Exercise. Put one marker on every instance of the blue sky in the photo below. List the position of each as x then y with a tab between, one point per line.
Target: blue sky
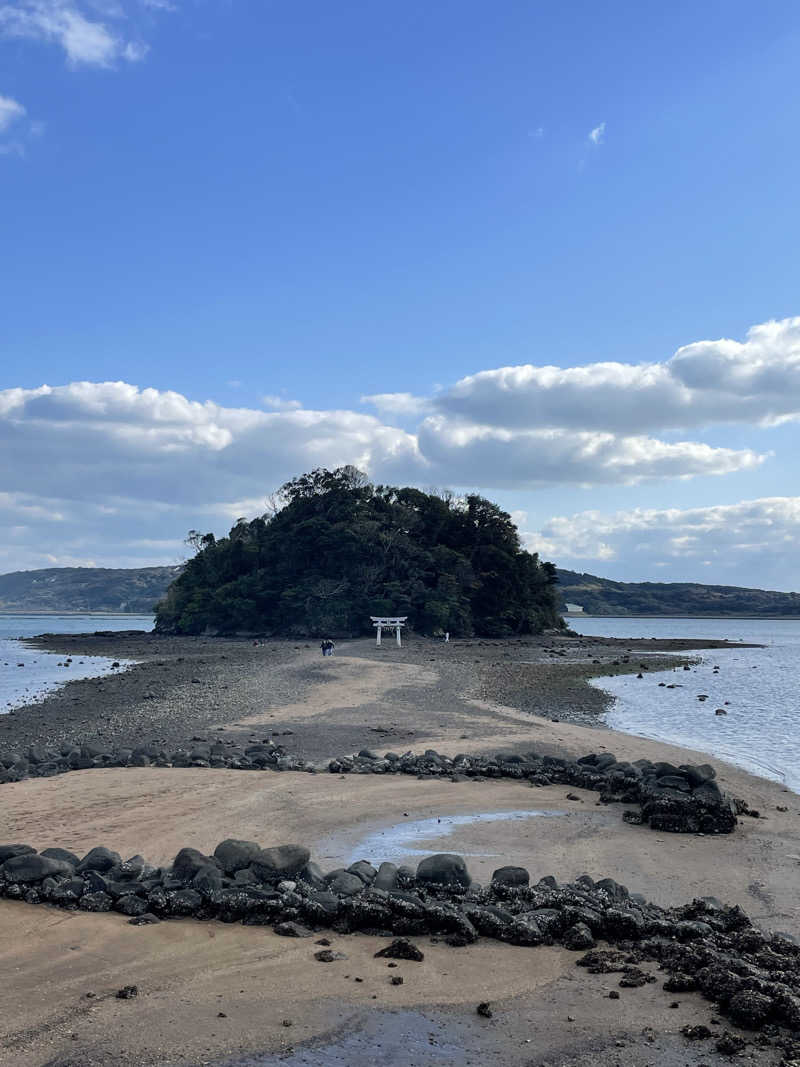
258	214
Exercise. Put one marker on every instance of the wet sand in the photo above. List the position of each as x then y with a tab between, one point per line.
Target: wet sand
189	972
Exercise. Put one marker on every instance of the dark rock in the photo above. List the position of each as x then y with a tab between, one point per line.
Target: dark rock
234	855
511	876
578	937
98	859
730	1044
484	1010
345	884
127	992
696	1033
444	869
8	852
283	861
387	877
750	1009
145	919
401	949
30	867
188	864
62	854
292	929
325	955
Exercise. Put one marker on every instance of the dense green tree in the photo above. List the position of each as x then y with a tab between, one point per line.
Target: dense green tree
341	549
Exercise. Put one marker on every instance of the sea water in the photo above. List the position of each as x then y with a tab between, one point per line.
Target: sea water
757	688
28	675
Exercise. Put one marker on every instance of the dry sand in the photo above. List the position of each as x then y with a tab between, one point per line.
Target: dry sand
189	972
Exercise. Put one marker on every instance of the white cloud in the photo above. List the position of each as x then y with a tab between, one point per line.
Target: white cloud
76	26
469	454
398	403
598	134
753	542
755	381
10	112
279	403
115	463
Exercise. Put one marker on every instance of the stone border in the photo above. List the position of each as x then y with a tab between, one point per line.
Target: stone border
682	799
753	977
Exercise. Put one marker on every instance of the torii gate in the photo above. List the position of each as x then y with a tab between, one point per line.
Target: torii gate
395	622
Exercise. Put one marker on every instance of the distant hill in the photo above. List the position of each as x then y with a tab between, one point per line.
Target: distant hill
601	596
68	589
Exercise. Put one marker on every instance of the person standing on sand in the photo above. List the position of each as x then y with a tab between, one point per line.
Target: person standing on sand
331	647
324	647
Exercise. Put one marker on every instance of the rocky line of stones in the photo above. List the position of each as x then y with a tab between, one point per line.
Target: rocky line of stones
682	799
753	977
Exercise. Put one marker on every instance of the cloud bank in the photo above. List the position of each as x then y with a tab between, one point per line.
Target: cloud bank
748	543
109	471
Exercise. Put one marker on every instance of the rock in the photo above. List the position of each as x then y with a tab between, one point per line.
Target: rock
396	979
401	949
30	867
127	992
188	864
95	902
61	854
325	955
730	1044
750	1009
98	859
344	884
283	861
511	876
145	919
484	1010
292	929
444	869
578	937
696	1033
365	871
8	852
234	855
387	877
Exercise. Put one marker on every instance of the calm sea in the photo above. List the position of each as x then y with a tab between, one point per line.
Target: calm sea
27	675
759	688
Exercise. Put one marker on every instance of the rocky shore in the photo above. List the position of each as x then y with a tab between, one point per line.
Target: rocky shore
752	976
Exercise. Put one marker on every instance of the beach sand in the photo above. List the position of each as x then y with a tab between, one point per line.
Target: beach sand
545	1009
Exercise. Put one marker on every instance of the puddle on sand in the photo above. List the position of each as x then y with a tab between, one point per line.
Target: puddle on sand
405	839
393	1038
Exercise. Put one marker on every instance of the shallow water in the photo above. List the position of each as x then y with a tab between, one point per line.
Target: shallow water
408	838
392	1038
758	688
27	675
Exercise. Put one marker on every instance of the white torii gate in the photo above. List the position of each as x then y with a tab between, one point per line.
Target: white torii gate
395	622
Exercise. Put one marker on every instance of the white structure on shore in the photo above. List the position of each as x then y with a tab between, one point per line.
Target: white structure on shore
394	622
574	609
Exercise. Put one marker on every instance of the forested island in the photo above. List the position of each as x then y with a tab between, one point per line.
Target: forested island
341	549
602	596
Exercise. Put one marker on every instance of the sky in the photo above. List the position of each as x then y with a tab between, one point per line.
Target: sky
545	252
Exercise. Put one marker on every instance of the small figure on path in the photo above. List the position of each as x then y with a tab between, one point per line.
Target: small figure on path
327	647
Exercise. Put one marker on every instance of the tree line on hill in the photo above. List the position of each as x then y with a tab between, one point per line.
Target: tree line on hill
602	596
342	549
85	589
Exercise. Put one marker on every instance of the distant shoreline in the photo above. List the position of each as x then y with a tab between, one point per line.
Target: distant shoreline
78	614
703	617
